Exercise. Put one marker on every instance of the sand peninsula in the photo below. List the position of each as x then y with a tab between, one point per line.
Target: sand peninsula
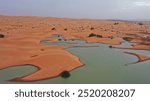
20	39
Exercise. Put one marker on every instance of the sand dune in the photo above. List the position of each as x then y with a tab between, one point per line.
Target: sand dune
21	44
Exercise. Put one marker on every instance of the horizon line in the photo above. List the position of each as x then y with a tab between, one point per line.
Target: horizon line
77	18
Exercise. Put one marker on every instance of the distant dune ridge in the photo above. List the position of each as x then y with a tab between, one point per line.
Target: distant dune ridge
20	39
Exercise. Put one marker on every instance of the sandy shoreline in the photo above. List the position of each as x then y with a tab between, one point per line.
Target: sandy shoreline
21	44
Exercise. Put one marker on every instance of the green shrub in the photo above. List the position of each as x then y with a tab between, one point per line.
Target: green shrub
95	35
126	38
92	28
92	35
111	37
65	29
116	23
99	36
53	29
140	23
65	74
2	36
59	39
110	46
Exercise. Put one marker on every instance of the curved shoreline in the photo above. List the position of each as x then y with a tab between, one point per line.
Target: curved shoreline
20	79
141	58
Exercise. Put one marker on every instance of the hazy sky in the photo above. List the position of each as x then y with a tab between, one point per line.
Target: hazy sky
99	9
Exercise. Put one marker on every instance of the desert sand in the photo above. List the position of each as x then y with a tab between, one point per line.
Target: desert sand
22	36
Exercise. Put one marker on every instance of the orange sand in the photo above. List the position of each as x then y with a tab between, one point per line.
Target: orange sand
23	35
51	59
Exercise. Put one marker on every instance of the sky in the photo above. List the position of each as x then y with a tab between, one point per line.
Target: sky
93	9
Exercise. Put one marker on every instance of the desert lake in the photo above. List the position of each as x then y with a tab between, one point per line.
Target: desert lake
102	65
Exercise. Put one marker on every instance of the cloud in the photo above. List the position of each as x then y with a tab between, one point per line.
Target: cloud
142	3
135	4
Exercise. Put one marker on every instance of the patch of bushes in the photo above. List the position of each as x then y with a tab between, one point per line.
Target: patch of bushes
2	36
92	35
111	37
110	46
65	29
95	35
126	38
116	23
53	29
140	23
65	74
59	39
58	35
92	28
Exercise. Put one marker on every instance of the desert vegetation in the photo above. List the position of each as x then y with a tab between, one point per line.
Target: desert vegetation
53	28
92	28
110	46
116	23
140	23
95	35
126	38
65	29
2	35
65	74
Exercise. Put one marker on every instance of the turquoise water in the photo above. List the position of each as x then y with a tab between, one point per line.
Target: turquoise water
14	72
102	66
63	42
